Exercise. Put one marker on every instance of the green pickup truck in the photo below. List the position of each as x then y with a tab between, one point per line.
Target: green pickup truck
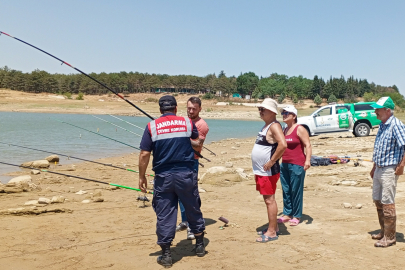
328	119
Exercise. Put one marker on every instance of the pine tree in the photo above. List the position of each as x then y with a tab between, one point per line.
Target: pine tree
332	98
318	100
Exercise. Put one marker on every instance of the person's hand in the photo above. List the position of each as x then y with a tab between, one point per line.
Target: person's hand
307	165
143	183
268	165
372	172
399	170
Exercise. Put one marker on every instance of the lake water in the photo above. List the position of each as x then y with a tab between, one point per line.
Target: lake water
44	131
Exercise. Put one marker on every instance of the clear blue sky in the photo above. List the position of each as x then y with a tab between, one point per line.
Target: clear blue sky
365	39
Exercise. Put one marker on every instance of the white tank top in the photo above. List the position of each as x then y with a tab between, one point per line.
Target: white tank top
262	153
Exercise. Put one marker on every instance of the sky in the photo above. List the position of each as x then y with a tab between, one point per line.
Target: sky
365	39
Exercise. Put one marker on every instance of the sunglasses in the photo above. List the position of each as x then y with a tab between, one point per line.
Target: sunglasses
261	109
285	113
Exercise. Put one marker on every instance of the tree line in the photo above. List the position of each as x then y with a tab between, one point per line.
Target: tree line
275	85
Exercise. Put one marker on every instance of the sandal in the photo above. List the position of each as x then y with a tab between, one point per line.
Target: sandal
264	238
294	221
283	219
265	230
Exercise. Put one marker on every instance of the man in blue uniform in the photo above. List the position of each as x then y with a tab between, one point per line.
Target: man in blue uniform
168	137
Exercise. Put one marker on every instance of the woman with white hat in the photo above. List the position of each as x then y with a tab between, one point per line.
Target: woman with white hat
268	149
295	162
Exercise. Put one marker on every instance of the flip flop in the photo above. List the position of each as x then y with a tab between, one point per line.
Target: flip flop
265	230
283	219
294	222
266	238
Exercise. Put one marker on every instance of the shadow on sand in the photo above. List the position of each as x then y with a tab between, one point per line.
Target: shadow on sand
185	248
400	236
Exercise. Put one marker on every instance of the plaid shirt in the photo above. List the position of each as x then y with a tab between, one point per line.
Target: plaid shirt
389	143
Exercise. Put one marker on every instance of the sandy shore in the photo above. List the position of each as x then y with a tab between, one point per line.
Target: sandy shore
119	233
16	101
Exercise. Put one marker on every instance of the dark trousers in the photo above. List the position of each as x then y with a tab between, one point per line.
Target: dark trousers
182	209
168	189
292	180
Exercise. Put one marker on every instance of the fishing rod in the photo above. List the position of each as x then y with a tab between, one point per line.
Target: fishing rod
97	133
117	126
97	81
209	150
96	162
78	177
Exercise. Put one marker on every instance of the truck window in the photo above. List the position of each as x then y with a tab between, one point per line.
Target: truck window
325	111
363	107
340	107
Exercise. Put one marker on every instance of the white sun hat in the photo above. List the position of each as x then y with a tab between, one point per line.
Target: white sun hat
269	104
291	109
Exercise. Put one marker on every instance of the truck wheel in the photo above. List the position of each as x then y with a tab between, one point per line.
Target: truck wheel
361	130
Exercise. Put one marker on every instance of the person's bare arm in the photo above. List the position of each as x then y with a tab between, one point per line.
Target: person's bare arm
372	171
399	170
282	145
144	157
304	137
197	144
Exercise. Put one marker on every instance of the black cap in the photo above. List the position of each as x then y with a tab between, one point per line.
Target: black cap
167	102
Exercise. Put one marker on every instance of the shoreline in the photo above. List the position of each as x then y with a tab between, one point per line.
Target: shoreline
114	227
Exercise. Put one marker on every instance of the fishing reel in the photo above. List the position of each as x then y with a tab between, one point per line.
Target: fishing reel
143	198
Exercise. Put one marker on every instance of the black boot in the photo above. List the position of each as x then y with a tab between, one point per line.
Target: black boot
199	245
166	258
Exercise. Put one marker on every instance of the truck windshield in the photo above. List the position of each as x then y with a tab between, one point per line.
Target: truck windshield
324	112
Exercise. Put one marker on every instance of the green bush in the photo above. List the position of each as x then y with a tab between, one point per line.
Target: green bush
332	98
151	99
318	100
208	96
368	97
311	106
68	95
280	98
295	99
80	96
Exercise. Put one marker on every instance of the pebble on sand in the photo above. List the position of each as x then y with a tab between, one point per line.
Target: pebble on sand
58	199
347	205
229	164
86	201
98	199
44	201
32	202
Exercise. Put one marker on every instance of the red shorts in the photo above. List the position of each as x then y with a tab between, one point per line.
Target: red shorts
266	185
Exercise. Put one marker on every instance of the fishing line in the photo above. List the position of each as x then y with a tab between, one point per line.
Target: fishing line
96	162
78	177
97	134
117	126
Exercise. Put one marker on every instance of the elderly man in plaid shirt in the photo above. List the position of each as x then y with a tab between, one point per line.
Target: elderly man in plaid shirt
389	164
